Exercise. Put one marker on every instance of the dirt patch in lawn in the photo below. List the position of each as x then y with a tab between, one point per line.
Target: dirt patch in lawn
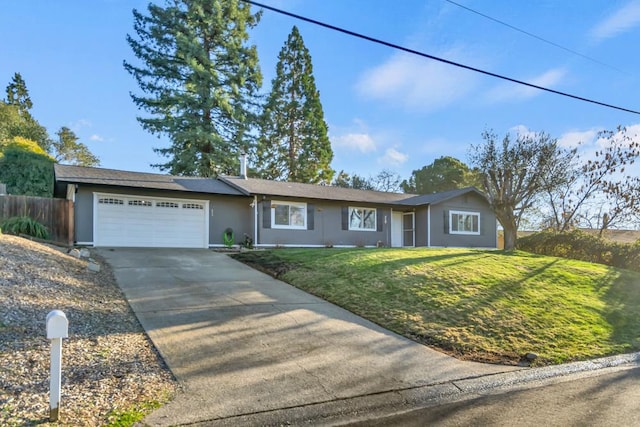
267	263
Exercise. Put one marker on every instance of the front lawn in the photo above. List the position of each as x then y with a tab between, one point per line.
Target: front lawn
477	305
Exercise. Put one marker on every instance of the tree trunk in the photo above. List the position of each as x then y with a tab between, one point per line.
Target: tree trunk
510	238
509	227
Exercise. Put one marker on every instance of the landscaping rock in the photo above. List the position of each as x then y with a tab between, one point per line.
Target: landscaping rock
531	357
84	253
75	253
92	266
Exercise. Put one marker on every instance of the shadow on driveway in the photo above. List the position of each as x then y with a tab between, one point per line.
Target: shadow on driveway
241	342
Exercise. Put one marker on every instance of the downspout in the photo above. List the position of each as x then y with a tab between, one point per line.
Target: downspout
428	226
255	221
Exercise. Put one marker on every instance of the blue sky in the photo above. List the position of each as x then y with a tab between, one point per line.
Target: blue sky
385	109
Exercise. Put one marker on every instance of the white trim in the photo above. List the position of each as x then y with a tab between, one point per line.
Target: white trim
375	219
275	203
468	233
84	243
94	222
255	220
71	192
428	226
413	229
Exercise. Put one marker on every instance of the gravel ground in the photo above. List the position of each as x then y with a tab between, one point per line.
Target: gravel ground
108	362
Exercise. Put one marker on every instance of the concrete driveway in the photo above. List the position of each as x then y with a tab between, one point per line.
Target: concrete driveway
251	349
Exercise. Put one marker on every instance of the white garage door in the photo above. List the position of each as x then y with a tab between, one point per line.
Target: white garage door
136	221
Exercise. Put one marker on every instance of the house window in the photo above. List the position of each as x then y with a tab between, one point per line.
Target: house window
464	222
192	206
289	215
167	205
362	219
110	201
145	203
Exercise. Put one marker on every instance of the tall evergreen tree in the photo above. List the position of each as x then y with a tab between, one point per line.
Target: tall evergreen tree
18	95
199	77
294	145
67	150
15	115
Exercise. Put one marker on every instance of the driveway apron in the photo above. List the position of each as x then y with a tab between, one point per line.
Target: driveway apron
241	342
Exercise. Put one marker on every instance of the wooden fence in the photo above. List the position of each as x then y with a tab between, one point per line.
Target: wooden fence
55	214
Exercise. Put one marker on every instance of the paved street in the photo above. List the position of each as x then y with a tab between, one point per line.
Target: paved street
604	398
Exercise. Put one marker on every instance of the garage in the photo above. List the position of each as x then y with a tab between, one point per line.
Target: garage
137	221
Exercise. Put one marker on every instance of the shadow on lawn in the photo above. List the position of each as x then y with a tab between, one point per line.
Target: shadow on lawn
622	310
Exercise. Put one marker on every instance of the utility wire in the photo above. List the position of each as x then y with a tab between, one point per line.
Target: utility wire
533	35
435	58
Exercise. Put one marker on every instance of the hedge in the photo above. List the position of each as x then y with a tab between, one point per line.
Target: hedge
579	245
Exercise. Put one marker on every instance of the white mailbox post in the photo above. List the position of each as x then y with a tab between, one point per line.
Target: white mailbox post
57	328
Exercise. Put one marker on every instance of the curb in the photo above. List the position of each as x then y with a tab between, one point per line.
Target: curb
359	409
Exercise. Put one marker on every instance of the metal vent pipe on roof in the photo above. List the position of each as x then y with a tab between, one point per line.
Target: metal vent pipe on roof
243	165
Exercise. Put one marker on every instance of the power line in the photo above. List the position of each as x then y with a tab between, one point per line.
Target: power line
435	58
533	35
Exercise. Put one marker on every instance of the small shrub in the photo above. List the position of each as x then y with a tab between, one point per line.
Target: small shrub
247	243
24	225
582	246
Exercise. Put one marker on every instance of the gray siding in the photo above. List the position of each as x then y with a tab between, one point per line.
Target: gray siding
83	215
230	212
224	211
421	226
469	202
327	227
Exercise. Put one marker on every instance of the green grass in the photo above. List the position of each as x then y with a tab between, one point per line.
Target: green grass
478	305
129	417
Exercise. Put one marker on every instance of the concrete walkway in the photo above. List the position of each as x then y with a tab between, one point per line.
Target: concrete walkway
251	349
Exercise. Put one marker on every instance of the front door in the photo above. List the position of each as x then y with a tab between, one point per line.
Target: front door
396	229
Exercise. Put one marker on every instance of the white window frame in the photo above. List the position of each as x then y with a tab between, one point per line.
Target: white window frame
275	203
469	213
375	219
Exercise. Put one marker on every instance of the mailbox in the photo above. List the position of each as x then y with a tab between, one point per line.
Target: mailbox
57	325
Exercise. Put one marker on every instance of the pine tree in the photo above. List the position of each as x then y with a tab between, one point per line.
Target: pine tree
18	95
68	150
294	145
199	77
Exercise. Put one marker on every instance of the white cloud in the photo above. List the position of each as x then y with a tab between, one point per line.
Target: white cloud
417	83
522	130
362	142
632	132
575	138
618	22
514	91
393	157
96	137
79	124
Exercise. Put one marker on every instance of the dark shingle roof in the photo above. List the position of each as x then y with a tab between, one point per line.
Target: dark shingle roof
238	186
435	198
312	191
99	176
